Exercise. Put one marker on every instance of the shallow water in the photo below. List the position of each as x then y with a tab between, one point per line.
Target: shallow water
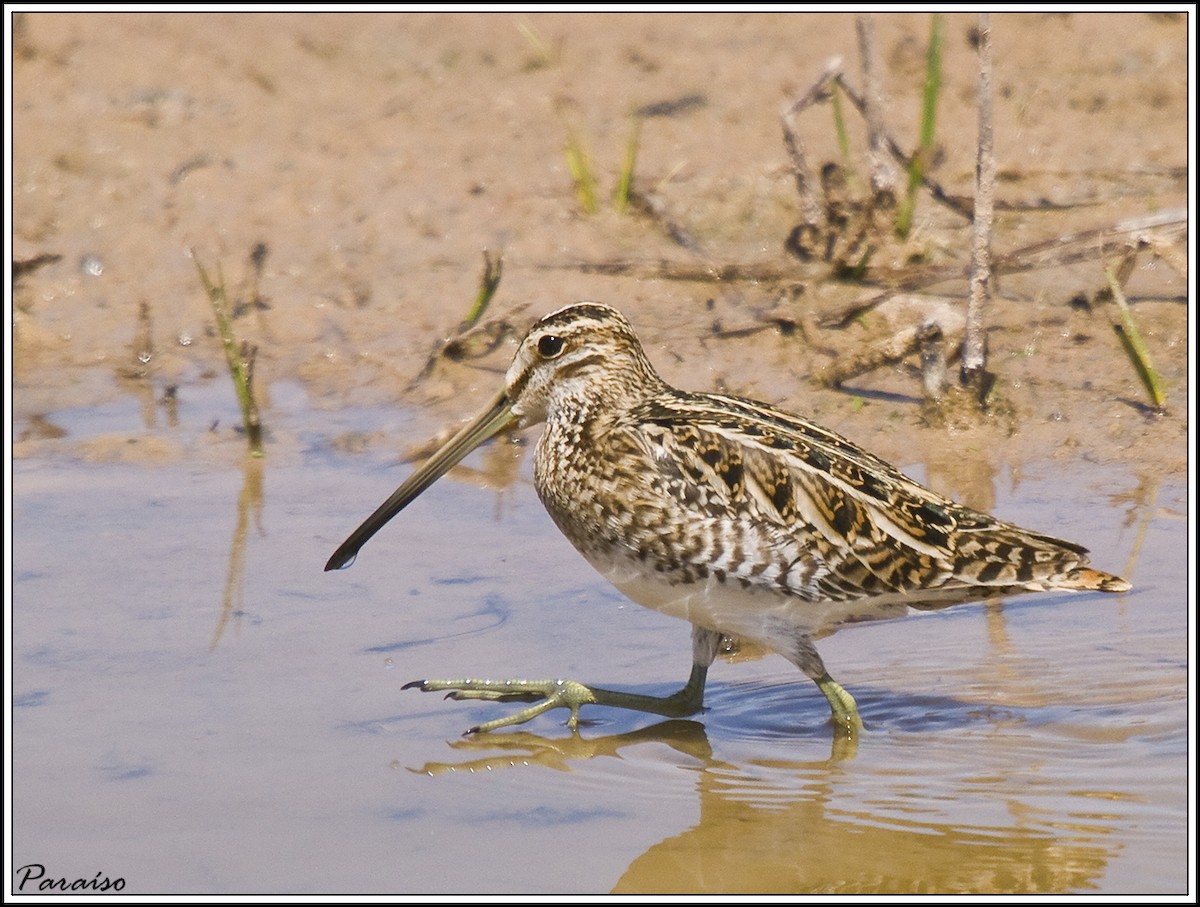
199	708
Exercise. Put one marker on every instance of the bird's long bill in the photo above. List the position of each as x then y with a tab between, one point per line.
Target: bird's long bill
497	416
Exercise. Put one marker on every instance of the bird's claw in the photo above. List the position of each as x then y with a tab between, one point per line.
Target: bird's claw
545	694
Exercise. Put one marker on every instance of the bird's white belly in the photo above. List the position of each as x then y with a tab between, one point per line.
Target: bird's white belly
755	613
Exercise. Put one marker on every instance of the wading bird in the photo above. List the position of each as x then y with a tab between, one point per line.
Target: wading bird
739	518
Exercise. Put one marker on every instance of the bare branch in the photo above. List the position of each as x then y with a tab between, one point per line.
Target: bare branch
955	203
883	173
1085	245
974	359
806	187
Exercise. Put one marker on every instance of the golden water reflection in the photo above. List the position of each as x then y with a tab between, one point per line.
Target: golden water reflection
249	506
783	826
797	839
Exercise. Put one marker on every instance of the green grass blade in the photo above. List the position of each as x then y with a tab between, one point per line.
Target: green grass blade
1134	345
924	153
489	281
239	358
839	125
625	181
579	165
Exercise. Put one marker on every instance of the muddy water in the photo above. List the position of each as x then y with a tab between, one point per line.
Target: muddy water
198	708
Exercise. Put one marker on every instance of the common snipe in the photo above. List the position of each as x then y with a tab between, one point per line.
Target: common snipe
737	517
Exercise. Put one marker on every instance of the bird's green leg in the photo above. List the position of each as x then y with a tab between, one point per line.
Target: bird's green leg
568	694
803	654
845	710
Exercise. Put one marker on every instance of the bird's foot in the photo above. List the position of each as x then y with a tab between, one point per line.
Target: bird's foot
545	694
843	708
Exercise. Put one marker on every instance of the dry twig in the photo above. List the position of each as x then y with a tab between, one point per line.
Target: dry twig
1062	250
974	359
811	220
883	173
890	350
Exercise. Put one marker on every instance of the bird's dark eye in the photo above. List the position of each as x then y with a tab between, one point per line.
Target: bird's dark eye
550	346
